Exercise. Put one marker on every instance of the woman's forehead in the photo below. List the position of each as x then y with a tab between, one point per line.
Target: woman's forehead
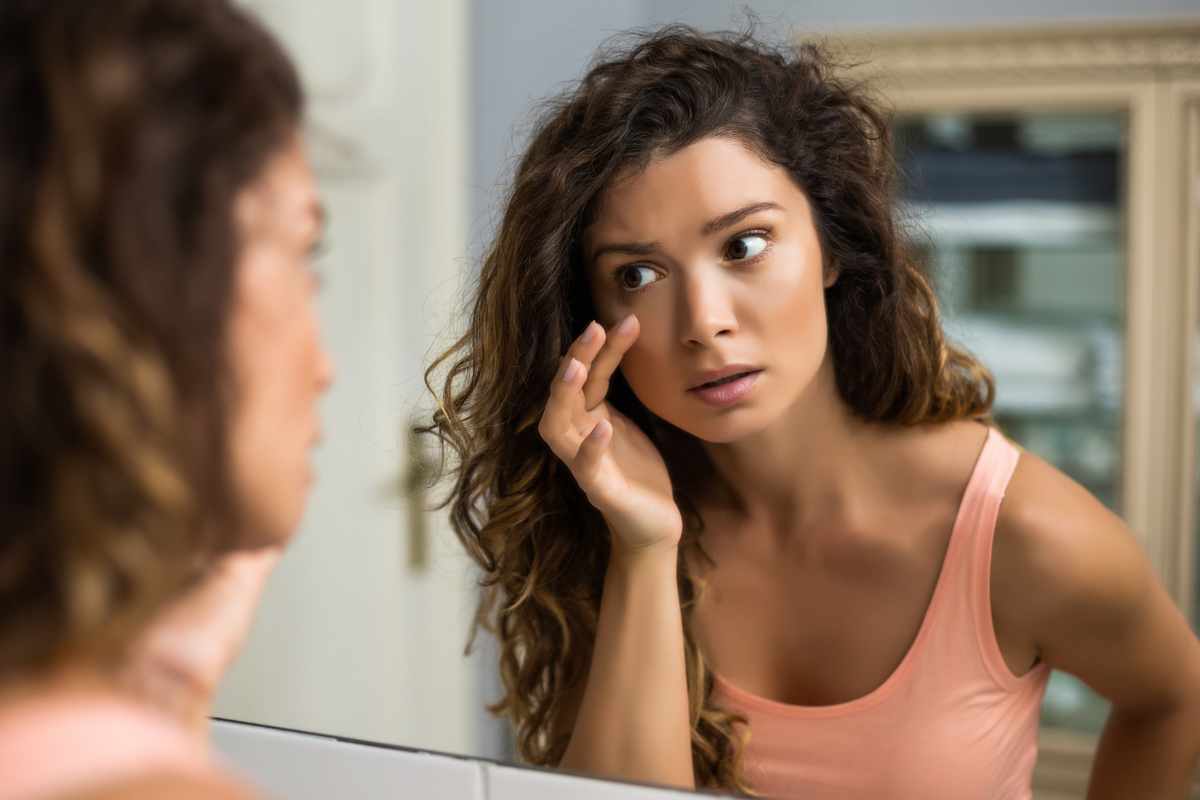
702	181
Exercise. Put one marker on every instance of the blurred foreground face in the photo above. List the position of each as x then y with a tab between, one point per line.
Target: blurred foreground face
280	366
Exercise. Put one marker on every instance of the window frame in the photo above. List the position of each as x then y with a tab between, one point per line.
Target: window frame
1151	73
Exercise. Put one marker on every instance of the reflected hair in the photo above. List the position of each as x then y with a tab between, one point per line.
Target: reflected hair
129	128
541	547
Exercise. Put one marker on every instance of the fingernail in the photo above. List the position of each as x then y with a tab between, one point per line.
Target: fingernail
589	333
572	370
626	325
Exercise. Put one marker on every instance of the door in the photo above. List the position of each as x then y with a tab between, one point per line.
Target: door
362	628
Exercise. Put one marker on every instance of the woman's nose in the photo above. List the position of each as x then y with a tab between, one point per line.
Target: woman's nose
707	311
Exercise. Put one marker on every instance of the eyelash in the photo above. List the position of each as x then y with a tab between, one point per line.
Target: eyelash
760	232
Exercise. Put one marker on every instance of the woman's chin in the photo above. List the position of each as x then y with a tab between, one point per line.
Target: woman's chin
264	538
725	428
270	528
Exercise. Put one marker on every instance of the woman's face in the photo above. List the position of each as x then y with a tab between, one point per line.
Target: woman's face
280	368
715	251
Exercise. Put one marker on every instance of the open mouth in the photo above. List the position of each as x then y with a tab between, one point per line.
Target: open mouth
727	379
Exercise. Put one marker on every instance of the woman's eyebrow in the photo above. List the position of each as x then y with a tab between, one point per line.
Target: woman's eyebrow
625	248
709	228
734	217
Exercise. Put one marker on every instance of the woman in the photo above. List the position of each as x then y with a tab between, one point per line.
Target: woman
161	370
735	497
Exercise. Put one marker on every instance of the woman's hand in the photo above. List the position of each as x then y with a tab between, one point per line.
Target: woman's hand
615	464
178	662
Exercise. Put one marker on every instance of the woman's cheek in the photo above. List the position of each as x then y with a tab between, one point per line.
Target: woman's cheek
646	372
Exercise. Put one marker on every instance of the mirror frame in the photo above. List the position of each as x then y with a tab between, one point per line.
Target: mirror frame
1151	73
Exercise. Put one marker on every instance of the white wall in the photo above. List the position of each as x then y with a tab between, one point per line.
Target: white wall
524	51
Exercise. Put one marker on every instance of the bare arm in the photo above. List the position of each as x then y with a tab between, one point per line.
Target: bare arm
632	719
1100	614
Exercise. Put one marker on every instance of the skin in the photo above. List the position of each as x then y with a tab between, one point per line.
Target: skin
845	519
279	365
177	787
280	370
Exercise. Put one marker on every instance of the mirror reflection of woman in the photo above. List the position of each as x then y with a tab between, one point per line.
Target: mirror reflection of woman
161	367
742	518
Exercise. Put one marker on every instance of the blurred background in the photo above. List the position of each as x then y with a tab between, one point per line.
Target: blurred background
1051	173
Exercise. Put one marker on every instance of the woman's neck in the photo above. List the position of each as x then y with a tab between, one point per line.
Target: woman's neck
813	467
64	681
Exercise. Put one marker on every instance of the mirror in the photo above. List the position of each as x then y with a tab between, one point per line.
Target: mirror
1034	219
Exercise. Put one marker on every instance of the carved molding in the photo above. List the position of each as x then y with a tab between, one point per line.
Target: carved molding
1120	50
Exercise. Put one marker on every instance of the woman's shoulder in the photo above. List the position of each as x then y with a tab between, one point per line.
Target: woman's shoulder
935	461
1049	525
60	740
175	785
1060	556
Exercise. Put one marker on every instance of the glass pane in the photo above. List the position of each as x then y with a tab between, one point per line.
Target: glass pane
1020	217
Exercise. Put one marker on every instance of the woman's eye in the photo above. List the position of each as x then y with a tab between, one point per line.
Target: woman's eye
637	277
746	246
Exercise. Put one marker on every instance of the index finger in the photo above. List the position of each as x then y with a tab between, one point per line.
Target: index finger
616	345
586	345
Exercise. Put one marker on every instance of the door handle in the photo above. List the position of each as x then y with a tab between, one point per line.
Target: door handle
416	479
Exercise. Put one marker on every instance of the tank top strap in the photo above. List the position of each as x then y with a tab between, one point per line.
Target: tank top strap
998	462
977	511
980	512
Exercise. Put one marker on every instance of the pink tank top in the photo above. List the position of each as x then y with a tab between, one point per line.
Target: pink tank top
72	741
951	722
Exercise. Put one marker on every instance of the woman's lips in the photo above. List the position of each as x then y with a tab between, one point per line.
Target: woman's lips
728	392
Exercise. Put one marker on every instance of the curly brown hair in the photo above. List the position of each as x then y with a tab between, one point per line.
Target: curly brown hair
542	547
129	128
